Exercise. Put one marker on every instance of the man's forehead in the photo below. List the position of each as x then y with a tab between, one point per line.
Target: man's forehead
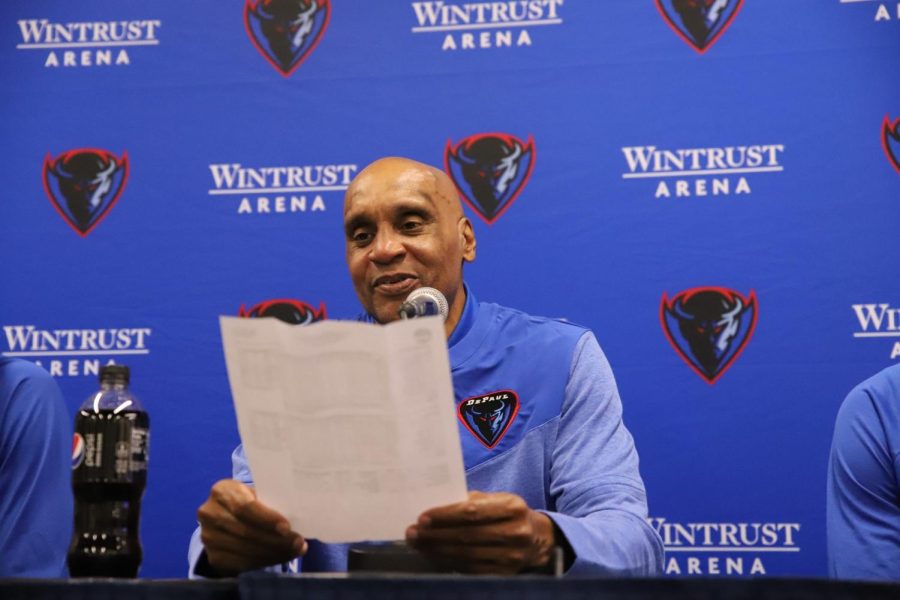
395	197
393	174
395	180
416	178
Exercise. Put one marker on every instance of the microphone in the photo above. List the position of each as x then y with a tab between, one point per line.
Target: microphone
423	302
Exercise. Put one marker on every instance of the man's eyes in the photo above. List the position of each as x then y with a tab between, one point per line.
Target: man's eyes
411	225
361	237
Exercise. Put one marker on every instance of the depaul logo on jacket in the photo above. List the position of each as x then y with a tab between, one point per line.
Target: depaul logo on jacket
286	31
293	312
699	22
84	184
890	140
489	416
490	170
709	327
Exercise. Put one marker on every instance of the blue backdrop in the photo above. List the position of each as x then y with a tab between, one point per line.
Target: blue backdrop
169	162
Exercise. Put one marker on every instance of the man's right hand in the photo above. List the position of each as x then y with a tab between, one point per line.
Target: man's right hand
240	533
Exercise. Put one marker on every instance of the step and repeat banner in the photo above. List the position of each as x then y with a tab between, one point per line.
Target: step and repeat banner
712	186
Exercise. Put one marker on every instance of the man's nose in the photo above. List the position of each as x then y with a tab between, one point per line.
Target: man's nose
387	247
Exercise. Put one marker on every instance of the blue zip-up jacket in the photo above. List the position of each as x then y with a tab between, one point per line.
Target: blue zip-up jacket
35	472
862	509
557	439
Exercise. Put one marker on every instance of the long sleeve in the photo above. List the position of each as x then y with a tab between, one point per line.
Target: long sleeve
862	510
601	505
36	503
196	553
197	566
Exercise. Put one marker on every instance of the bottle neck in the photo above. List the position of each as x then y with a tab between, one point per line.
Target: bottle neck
113	385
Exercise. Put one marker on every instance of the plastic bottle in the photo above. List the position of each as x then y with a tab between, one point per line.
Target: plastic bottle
109	474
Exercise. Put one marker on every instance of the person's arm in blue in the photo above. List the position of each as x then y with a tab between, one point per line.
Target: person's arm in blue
237	532
601	504
35	473
863	494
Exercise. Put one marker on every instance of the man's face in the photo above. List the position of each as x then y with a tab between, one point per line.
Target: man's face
404	229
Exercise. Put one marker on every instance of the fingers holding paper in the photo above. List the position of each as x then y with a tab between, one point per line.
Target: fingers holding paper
241	533
487	533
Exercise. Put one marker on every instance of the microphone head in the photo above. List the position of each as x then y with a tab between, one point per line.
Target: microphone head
425	301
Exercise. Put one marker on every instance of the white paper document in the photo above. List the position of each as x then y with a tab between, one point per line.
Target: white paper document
349	428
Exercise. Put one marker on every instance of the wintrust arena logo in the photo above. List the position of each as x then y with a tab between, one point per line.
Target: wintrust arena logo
701	172
485	25
100	43
279	189
725	548
879	11
73	352
878	322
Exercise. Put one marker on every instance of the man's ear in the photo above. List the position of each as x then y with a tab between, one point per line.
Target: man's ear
467	237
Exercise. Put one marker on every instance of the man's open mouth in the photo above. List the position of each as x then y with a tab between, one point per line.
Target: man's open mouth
398	283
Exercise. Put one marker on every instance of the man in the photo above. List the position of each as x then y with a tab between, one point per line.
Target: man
35	472
863	495
561	472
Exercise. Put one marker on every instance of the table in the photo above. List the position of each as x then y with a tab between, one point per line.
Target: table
448	587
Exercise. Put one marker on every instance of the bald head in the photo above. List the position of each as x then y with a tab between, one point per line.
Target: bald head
405	228
404	173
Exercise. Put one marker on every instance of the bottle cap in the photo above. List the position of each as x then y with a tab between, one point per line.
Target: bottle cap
114	374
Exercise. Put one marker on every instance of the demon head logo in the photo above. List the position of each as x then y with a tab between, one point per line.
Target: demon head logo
84	185
286	31
709	327
292	312
489	416
490	170
699	22
890	140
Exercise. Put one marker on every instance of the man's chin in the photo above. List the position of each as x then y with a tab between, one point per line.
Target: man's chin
386	313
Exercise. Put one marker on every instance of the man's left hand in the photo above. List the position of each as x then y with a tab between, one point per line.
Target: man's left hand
487	533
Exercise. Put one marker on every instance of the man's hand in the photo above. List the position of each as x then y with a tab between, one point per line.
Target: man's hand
488	533
240	533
